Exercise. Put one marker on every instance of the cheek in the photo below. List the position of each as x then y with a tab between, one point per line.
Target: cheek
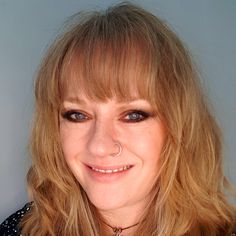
73	147
147	143
65	140
71	141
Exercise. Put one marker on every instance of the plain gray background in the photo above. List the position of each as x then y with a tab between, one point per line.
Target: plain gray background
27	27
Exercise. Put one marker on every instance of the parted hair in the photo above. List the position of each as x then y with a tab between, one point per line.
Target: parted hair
113	52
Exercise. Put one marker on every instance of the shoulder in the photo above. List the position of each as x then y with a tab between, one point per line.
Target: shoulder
9	227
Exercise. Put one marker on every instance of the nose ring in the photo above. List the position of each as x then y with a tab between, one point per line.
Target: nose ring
119	151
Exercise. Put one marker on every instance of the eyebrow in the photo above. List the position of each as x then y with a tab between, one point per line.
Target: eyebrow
78	100
74	100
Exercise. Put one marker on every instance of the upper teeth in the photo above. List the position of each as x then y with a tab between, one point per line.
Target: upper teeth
107	171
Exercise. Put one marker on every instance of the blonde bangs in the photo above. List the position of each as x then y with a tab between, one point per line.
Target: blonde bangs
107	64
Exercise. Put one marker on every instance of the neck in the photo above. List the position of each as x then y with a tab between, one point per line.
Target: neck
118	231
125	219
125	216
122	217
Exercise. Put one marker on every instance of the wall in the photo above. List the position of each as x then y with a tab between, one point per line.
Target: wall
27	26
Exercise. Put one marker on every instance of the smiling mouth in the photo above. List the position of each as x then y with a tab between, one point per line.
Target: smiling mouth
110	171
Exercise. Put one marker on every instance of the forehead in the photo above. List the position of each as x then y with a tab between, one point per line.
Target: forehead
101	76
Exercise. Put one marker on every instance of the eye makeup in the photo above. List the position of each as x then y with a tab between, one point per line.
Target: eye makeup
75	116
134	116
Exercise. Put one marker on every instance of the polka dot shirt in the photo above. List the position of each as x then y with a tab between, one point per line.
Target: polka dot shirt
9	227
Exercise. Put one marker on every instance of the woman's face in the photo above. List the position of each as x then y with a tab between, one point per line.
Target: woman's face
90	132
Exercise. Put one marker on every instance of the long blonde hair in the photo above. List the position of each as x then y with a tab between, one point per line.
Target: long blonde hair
102	48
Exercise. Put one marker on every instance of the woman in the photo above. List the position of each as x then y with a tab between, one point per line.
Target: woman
123	141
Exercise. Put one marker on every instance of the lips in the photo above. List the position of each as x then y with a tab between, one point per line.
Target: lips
111	170
108	174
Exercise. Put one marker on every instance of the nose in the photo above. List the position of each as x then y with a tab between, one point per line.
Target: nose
102	142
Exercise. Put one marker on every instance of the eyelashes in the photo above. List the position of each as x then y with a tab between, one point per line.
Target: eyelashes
131	116
75	116
136	116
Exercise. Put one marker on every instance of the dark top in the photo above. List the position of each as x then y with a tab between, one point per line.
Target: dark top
10	227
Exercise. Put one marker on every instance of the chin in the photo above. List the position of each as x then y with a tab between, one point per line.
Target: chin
107	203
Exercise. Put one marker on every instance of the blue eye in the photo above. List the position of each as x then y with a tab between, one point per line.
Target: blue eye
136	116
75	116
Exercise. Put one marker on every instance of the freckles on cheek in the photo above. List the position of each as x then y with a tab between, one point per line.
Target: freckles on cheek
66	142
151	143
72	142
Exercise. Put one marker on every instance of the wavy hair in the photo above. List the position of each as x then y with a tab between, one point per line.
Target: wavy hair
113	53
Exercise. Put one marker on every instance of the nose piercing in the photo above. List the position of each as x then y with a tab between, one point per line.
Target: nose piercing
119	151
